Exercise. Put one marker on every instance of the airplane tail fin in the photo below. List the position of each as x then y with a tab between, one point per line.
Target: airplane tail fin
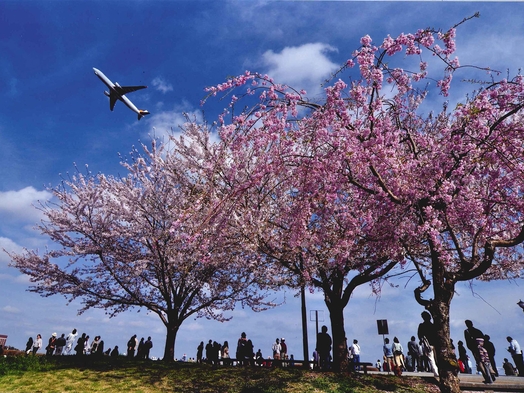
142	113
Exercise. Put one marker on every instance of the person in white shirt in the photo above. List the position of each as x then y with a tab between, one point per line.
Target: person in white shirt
354	351
70	341
276	349
37	344
516	354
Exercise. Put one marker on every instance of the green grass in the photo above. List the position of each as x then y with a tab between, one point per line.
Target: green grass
69	374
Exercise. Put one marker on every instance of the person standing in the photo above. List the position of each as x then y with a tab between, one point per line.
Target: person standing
80	345
60	344
484	362
149	344
114	352
516	354
283	349
225	354
354	351
470	335
70	341
200	351
51	345
488	345
276	349
414	352
140	350
37	344
388	355
29	346
463	357
427	335
209	352
131	345
324	347
241	352
398	356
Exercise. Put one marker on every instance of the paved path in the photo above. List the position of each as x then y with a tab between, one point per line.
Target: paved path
474	382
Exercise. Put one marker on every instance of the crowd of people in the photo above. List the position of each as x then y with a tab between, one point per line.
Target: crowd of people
81	345
421	354
215	353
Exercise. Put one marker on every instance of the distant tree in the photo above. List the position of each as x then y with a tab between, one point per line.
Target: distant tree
451	183
146	240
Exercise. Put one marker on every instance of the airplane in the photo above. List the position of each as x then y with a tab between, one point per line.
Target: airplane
117	92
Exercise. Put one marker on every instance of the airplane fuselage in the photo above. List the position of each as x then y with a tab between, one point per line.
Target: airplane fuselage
116	92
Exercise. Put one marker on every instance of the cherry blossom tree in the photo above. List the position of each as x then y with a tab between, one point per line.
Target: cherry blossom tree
146	240
450	181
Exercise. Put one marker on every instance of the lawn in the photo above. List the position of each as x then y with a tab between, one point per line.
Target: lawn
69	374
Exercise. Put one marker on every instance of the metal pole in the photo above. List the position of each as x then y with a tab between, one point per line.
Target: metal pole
304	326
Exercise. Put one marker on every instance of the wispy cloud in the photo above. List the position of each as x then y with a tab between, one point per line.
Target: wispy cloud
10	309
161	85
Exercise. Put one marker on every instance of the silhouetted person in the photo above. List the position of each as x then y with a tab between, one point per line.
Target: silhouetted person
427	334
488	346
79	349
147	347
114	352
324	347
470	335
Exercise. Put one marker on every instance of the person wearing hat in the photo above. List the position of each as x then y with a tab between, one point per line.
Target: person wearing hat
50	349
283	349
484	362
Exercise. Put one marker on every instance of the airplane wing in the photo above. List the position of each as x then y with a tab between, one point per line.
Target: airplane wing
128	89
112	101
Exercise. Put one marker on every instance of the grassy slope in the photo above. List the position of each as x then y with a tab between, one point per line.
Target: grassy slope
68	375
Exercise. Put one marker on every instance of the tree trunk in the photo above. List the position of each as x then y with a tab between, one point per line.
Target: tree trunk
444	289
169	349
336	315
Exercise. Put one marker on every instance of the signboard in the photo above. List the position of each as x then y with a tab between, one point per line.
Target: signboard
382	325
3	339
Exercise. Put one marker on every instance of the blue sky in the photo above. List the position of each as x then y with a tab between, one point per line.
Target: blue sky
53	115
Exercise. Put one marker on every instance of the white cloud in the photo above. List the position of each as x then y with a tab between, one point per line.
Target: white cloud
161	85
19	204
168	123
11	309
302	67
